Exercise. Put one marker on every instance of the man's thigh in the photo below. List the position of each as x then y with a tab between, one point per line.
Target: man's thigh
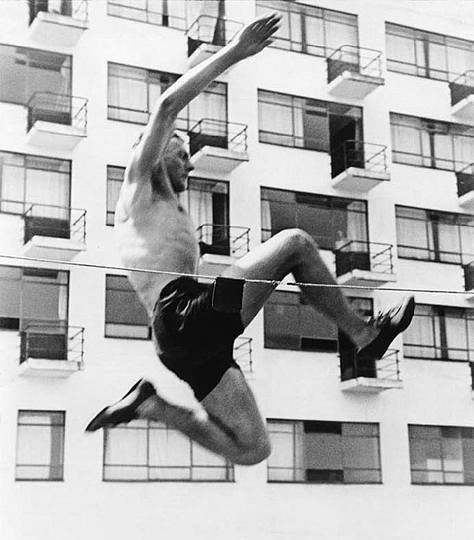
233	404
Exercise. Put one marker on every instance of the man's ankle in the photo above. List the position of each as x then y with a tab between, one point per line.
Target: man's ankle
364	336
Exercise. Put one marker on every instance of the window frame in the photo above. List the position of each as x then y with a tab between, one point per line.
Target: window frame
107	336
340	425
146	11
305	11
434	233
442	470
110	214
61	449
425	38
228	468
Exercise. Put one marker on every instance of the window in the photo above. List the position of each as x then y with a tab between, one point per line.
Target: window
32	296
430	235
114	183
207	203
324	452
425	54
429	143
160	12
132	93
307	123
440	333
40	445
326	219
125	315
441	454
26	71
150	451
38	188
290	323
309	29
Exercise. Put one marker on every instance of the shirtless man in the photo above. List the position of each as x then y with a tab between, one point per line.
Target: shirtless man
193	336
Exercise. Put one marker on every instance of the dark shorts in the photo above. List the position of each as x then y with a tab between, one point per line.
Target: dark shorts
195	341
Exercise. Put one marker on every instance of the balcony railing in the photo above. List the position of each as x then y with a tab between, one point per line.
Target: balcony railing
227	240
218	133
359	60
52	341
361	255
212	30
471	367
58	109
76	9
352	153
465	179
243	353
386	368
54	221
462	87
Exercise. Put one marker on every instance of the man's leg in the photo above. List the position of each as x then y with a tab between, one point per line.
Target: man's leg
294	251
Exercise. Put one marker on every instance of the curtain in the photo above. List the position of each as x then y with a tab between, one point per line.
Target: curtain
266	219
45	187
340	32
456	336
463	150
13	187
449	242
127	89
419	337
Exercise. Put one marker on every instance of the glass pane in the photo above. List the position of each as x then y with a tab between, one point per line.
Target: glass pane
169	448
360	453
282	449
323	451
425	454
452	454
362	476
125	446
13	66
122	472
437	61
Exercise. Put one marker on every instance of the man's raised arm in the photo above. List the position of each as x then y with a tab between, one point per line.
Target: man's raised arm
250	40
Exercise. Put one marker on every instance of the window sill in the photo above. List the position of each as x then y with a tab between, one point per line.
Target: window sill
452	263
167	481
422	166
429	359
414	74
302	482
292	146
441	484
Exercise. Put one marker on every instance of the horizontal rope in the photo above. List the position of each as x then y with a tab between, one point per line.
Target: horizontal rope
272	282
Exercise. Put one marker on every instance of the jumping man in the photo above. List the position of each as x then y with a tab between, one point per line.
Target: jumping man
193	338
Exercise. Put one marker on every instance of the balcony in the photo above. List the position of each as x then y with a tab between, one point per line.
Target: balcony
465	183
354	72
469	279
51	349
53	232
462	96
243	353
57	23
359	166
368	264
217	146
220	245
207	35
369	378
56	121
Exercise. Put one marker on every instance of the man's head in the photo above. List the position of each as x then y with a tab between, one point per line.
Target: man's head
177	163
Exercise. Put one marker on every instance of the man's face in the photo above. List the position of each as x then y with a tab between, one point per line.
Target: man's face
177	163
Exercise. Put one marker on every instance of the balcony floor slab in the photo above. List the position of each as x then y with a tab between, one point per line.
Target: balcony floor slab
51	135
366	278
359	180
467	200
53	248
354	85
56	30
45	367
218	160
366	385
464	109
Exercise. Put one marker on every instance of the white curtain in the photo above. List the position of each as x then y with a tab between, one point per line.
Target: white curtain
266	217
13	185
47	188
456	336
200	211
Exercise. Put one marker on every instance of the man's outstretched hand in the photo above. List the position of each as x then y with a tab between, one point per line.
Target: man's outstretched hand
256	35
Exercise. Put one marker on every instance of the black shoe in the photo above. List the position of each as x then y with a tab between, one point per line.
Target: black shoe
391	323
121	413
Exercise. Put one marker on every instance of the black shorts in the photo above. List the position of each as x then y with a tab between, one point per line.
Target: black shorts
195	341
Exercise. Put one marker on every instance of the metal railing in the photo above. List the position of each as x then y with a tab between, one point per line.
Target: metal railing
353	153
58	109
360	60
465	179
54	221
469	276
144	13
462	87
361	255
76	9
223	239
386	368
218	133
243	353
212	30
53	340
471	367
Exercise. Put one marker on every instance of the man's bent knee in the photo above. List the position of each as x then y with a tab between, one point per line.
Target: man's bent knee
253	455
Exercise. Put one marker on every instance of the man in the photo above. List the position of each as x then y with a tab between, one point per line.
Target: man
193	330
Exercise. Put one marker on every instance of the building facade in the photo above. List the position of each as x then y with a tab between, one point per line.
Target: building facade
356	125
